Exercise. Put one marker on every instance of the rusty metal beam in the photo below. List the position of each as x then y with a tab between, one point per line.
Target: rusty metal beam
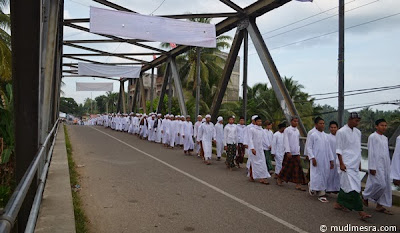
106	54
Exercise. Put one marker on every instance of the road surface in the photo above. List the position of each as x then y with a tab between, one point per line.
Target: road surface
132	185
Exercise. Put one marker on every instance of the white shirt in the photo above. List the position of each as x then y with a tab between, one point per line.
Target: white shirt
240	133
230	134
277	147
267	139
348	144
291	140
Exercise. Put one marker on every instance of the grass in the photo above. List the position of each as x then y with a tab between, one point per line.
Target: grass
80	217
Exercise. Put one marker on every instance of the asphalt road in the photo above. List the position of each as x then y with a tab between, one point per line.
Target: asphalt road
132	185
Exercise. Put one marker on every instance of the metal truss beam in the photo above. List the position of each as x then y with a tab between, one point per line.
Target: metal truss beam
114	37
178	87
233	6
111	63
113	54
103	53
226	74
254	10
163	88
281	92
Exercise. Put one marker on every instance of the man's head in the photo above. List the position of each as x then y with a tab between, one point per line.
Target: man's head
199	118
208	118
258	121
241	120
159	116
282	127
220	120
320	124
253	119
231	119
187	118
316	120
354	119
268	124
294	122
333	127
381	126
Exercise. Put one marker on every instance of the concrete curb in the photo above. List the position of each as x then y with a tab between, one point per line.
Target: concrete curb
57	211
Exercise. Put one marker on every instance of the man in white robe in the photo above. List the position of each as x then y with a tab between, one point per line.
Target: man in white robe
278	149
207	136
195	132
333	178
151	128
348	149
158	127
165	131
230	142
395	166
379	185
172	131
187	135
267	140
219	130
240	139
258	167
321	161
246	139
198	140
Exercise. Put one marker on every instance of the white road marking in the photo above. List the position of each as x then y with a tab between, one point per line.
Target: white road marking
243	202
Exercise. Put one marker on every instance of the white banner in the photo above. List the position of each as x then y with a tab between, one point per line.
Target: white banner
108	71
94	86
152	28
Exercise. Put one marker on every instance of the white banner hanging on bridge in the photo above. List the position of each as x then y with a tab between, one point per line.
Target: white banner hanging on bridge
80	86
90	69
152	28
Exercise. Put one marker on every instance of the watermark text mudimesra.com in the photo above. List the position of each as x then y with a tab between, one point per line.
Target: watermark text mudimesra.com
357	228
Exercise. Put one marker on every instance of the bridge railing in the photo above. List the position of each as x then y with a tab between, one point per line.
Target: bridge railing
10	212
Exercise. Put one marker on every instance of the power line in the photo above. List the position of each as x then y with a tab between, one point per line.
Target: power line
157	7
365	89
320	20
329	33
360	93
395	102
309	17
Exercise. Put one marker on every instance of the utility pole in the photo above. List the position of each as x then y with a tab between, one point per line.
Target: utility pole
341	64
245	63
198	82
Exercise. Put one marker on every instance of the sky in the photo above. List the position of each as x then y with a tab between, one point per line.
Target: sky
372	50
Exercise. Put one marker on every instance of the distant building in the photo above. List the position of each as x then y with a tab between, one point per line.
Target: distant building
231	94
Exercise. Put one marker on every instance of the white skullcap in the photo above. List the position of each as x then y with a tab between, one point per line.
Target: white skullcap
159	114
171	115
254	117
220	118
208	116
204	120
199	116
233	117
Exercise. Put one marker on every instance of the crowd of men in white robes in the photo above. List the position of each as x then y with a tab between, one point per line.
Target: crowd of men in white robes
335	158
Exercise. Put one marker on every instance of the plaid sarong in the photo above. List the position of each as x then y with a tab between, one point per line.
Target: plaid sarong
230	155
292	171
240	153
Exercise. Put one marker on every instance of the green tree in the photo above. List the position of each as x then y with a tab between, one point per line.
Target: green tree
211	67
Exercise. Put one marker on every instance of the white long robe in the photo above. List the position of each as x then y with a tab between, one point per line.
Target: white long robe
348	144
313	130
127	123
333	178
395	166
219	130
195	132
165	131
207	134
173	132
319	149
278	150
151	130
378	188
187	133
246	142
257	161
158	130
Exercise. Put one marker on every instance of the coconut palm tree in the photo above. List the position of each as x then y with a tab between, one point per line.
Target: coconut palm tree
211	66
5	45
